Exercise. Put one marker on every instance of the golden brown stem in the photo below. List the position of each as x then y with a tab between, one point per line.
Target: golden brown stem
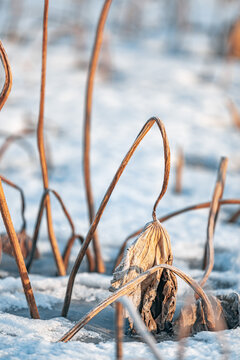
171	215
8	77
40	138
87	125
212	219
131	286
119	331
18	255
105	200
179	171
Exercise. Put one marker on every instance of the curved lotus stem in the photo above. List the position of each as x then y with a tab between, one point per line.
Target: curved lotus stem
8	77
38	223
41	149
10	183
18	255
204	205
87	124
107	196
212	219
131	286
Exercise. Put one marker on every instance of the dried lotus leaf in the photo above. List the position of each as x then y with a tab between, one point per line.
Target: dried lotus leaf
154	297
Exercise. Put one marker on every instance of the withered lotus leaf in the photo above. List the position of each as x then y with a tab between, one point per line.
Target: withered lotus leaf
154	297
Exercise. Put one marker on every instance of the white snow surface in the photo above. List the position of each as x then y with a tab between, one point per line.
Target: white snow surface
151	69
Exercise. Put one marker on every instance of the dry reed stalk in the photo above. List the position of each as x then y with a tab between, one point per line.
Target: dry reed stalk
179	171
40	138
87	125
171	215
73	235
208	261
18	255
235	115
130	287
8	76
105	200
119	322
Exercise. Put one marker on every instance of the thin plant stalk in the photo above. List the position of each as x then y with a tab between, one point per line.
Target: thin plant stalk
87	126
234	217
10	183
119	330
8	76
131	286
40	138
179	171
204	205
70	221
18	255
148	125
212	219
140	327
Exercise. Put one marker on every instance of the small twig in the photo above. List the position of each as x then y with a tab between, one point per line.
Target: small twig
18	255
179	171
131	286
208	261
171	215
40	138
8	77
87	124
119	330
10	183
233	218
107	196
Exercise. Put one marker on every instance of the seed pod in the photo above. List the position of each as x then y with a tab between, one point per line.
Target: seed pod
154	297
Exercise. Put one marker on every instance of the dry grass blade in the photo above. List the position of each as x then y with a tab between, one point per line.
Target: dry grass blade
68	217
212	219
130	287
8	76
155	298
119	330
18	255
171	215
40	138
87	124
107	196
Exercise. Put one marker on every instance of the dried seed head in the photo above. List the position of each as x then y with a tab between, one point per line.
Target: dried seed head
155	297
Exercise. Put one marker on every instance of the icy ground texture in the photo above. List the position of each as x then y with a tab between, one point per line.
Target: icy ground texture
153	69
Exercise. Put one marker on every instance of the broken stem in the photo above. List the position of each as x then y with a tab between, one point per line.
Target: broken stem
40	138
131	287
87	124
18	255
148	125
119	330
8	77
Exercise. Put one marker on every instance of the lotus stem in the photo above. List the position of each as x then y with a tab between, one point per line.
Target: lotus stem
87	126
41	149
8	76
148	125
18	255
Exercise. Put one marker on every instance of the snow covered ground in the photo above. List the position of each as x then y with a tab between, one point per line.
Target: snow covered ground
148	70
